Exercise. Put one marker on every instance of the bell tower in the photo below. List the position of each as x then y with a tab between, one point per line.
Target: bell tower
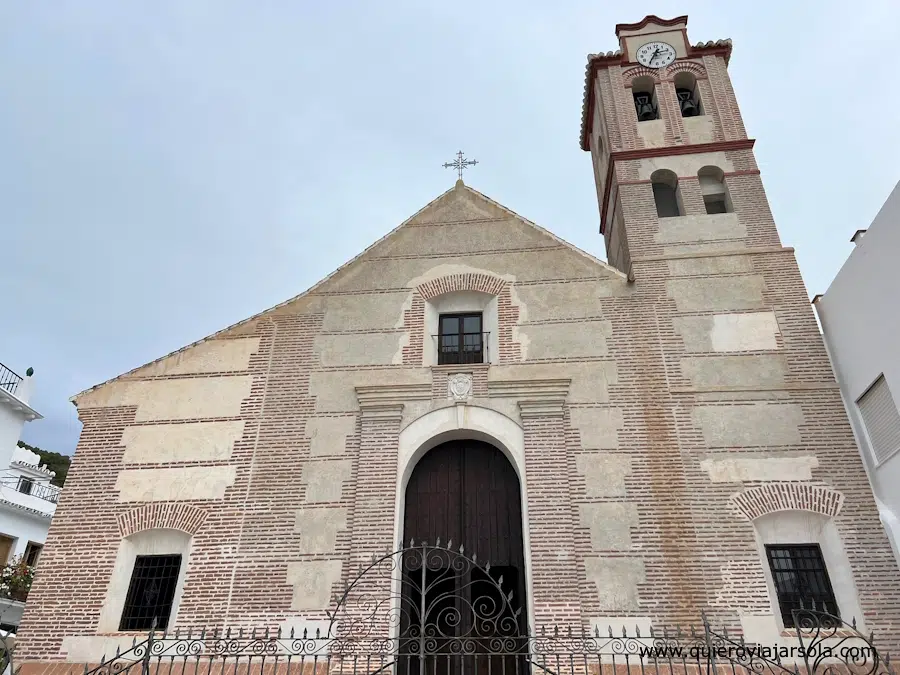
723	365
674	168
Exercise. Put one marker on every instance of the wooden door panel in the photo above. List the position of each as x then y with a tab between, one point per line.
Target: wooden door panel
468	492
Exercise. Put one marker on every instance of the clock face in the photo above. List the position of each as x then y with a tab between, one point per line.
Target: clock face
656	54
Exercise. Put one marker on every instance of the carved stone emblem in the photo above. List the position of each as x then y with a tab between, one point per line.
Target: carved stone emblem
459	387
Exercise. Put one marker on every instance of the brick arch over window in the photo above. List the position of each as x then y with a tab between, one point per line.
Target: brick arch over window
483	283
694	69
161	517
480	282
765	499
640	71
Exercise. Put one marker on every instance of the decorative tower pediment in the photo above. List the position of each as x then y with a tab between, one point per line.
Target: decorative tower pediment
632	36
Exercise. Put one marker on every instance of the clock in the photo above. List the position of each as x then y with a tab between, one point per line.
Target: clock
656	54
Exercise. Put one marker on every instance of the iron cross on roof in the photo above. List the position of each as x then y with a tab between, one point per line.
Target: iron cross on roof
460	163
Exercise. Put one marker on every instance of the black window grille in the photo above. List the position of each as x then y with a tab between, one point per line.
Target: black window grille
460	339
25	485
151	592
801	579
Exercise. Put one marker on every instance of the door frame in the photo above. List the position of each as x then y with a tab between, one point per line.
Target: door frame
464	422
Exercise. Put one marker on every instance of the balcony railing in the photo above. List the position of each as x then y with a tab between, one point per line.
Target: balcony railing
27	486
9	380
462	348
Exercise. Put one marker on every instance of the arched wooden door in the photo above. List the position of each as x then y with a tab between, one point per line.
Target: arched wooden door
468	492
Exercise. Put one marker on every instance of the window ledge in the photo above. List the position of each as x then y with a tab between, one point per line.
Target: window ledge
841	633
460	367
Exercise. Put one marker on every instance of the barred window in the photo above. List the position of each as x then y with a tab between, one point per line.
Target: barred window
151	592
801	579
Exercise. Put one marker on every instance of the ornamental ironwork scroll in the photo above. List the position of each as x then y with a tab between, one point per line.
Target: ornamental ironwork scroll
428	600
435	610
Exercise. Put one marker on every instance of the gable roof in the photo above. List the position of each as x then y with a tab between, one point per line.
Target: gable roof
432	204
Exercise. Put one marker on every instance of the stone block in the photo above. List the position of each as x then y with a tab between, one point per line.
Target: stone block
598	427
699	294
699	228
616	580
568	300
723	333
188	398
590	379
89	648
750	371
318	528
604	473
369	311
749	425
334	389
328	435
610	524
212	356
549	341
759	469
699	129
359	349
744	332
324	479
708	266
313	581
652	133
187	483
187	442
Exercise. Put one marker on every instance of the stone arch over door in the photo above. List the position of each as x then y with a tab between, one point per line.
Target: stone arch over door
474	423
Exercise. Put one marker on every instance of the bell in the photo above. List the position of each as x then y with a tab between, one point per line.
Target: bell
646	113
686	102
644	107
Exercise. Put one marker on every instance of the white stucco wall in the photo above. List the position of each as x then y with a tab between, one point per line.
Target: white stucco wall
23	527
861	322
11	424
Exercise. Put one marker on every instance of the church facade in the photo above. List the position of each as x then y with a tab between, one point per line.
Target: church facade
632	442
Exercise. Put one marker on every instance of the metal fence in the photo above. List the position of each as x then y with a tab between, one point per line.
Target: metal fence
432	610
9	380
827	647
28	486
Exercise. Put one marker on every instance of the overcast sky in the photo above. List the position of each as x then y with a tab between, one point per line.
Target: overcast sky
168	168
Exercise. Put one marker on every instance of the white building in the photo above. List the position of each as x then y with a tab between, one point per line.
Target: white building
860	317
27	499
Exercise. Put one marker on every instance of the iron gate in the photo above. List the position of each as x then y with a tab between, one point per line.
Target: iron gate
433	610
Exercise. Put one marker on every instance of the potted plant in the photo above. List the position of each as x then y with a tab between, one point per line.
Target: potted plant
15	579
